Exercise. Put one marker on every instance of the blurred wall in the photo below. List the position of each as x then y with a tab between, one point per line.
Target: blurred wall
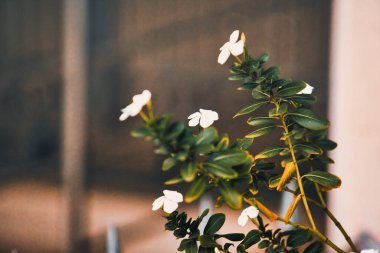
355	83
169	47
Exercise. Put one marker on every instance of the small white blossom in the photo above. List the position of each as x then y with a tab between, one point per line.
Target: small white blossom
369	251
169	201
138	102
250	212
233	46
205	118
307	90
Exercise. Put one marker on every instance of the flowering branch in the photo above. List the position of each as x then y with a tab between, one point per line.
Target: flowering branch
210	161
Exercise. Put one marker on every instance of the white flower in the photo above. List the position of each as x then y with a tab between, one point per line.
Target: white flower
169	201
204	117
250	212
369	251
307	90
138	102
233	46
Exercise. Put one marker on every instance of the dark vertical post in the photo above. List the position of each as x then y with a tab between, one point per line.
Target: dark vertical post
74	120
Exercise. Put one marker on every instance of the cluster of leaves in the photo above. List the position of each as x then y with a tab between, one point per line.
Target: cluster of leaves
273	241
303	130
188	231
205	160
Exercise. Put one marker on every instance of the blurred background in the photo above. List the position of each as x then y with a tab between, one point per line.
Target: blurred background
69	170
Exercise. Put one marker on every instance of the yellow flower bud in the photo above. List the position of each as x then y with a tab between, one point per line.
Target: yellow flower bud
290	168
264	210
292	208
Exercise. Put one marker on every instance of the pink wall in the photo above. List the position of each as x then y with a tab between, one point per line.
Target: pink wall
354	113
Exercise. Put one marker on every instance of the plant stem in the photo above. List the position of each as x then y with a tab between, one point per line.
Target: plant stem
335	220
143	116
299	180
150	109
316	232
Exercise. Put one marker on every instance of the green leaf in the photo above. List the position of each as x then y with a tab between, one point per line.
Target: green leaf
304	99
221	171
232	198
174	130
192	247
309	119
308	148
315	247
223	143
189	171
264	244
205	250
298	237
271	73
207	241
261	131
206	136
141	132
169	163
326	144
237	77
260	121
260	165
258	93
250	108
290	89
205	149
214	223
175	180
230	157
251	238
244	143
196	189
273	181
184	243
263	58
269	152
324	179
235	237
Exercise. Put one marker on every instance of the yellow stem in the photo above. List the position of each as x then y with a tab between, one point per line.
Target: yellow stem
299	180
238	59
143	116
150	109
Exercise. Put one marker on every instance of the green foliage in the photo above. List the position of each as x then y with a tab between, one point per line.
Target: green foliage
207	160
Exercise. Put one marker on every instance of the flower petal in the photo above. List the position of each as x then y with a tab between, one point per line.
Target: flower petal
206	122
193	115
157	204
210	114
170	206
234	36
194	122
225	46
143	98
237	48
243	219
307	90
223	56
252	212
135	109
173	196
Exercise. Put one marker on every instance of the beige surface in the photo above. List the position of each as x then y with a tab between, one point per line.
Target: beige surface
354	110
